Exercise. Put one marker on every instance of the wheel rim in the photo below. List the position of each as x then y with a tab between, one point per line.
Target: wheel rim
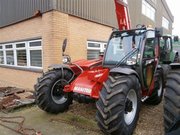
160	87
57	93
130	107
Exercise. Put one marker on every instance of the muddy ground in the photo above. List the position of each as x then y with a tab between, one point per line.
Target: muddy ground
80	120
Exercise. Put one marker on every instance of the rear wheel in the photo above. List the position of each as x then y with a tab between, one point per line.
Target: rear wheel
119	105
172	101
166	68
157	94
49	91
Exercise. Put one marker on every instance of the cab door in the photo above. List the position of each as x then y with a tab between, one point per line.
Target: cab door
149	63
166	49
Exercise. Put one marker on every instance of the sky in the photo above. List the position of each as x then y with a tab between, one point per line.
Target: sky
174	6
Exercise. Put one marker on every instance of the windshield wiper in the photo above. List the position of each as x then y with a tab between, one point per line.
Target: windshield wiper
123	60
132	52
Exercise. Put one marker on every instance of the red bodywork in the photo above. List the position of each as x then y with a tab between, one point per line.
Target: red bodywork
85	65
89	81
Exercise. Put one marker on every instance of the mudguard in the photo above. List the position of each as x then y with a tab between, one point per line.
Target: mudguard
58	66
61	67
125	71
175	65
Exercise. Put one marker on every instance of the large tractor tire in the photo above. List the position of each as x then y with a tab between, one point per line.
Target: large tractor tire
166	68
157	94
119	105
172	101
49	91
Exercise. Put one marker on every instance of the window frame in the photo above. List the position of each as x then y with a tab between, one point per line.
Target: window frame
34	48
148	10
27	48
3	54
101	49
9	49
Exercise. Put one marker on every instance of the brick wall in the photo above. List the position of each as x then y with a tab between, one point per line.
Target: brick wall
82	30
53	27
18	78
27	29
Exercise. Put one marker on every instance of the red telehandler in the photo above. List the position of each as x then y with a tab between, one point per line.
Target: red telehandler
128	74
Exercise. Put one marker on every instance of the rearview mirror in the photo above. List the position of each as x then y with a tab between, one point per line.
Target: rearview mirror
64	45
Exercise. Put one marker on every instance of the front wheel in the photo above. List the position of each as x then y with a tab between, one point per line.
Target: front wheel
49	93
119	105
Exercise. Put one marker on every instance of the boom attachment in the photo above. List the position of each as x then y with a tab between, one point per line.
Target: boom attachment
122	14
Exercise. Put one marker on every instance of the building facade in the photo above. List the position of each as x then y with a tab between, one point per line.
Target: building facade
151	12
32	32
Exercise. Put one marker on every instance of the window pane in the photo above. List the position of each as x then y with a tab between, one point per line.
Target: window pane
95	49
96	45
1	47
8	46
149	48
148	10
10	57
92	54
21	58
165	23
1	57
36	58
34	44
143	8
105	45
20	45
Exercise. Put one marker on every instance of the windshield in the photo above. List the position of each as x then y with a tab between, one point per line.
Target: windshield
123	48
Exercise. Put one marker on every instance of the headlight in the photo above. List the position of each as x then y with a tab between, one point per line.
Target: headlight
131	61
66	59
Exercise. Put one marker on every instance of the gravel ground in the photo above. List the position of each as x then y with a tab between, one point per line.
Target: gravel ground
150	121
